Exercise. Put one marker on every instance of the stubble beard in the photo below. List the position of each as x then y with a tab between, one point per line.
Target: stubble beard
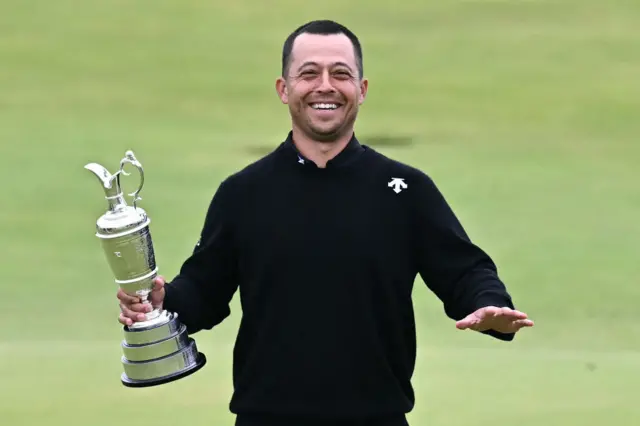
325	134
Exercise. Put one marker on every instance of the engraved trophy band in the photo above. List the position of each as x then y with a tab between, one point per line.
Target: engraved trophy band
157	350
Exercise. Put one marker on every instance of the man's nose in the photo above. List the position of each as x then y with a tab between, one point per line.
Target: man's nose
324	85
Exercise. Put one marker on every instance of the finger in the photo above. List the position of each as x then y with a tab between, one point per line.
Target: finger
463	324
127	298
132	314
157	294
514	326
467	322
124	320
138	307
158	282
509	313
512	313
523	323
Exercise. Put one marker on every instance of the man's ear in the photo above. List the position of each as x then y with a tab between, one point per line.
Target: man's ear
281	88
364	87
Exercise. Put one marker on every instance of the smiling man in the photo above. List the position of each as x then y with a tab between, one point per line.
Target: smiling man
324	238
322	82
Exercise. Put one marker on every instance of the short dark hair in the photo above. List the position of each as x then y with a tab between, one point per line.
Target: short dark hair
325	27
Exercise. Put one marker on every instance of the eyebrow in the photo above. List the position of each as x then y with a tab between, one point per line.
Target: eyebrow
344	64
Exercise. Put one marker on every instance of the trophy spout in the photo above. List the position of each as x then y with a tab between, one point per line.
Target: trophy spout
108	181
111	182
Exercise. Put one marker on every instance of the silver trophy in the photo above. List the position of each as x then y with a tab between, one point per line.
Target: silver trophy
157	350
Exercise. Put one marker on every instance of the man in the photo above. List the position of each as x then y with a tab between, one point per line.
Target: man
324	238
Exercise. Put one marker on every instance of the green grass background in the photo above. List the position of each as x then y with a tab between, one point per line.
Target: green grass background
526	113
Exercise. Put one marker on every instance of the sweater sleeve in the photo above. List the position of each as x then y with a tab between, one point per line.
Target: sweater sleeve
457	271
201	292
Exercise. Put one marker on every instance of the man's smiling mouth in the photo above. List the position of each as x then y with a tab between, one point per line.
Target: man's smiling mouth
324	106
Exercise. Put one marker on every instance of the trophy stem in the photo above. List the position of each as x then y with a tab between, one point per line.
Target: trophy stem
154	314
144	297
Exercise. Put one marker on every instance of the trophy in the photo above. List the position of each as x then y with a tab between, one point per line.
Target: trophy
157	350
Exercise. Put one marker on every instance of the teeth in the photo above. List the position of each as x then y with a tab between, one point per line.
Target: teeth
324	106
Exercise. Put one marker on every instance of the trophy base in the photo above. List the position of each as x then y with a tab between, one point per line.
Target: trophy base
201	360
159	352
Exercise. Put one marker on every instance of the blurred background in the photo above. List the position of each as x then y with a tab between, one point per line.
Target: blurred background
525	113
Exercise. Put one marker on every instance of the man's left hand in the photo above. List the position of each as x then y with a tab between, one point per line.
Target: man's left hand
502	320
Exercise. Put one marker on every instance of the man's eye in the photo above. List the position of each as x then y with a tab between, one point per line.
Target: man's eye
342	74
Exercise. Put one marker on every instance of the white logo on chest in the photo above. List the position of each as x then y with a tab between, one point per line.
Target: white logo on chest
397	184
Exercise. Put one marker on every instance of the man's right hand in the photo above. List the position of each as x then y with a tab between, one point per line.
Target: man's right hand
131	308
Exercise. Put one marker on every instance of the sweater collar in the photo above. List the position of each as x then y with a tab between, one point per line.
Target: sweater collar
350	152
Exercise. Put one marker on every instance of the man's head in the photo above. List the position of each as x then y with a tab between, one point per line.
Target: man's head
322	79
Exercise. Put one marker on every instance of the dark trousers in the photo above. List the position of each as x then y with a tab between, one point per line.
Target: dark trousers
270	420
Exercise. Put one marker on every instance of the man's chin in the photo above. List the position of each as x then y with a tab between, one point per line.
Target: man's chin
326	135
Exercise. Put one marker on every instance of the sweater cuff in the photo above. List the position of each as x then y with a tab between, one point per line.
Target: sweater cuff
494	299
170	302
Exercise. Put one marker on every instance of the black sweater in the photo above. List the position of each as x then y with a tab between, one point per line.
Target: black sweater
325	261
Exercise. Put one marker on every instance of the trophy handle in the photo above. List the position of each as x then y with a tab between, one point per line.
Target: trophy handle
130	158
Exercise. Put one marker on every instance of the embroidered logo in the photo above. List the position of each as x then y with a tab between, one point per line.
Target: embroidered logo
397	184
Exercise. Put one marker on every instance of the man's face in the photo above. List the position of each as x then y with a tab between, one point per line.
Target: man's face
323	88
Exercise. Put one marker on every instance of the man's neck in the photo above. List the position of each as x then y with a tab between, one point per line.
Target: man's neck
319	152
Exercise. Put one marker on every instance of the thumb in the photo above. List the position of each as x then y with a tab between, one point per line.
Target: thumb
158	283
467	322
157	293
477	317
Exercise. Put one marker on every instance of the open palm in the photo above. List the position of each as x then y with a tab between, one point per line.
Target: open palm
503	320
